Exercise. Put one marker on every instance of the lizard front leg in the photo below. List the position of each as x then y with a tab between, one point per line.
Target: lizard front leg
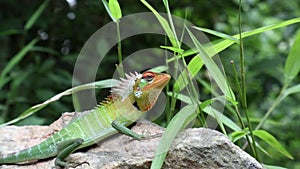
125	130
65	148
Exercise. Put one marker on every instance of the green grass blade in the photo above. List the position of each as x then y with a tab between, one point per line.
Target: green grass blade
11	32
15	60
45	50
220	45
166	4
212	67
222	119
272	141
164	24
36	15
159	69
292	65
291	90
33	109
106	6
236	135
179	121
218	34
273	167
173	49
181	97
193	68
262	149
196	64
115	9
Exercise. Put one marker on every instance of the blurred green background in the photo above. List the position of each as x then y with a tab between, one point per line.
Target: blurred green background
64	27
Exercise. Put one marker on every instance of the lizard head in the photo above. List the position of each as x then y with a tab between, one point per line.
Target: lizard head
141	89
147	88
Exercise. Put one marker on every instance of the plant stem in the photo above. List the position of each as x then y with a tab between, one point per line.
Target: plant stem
239	91
243	86
120	58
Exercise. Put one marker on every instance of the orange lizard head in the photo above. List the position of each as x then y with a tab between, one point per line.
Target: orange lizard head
147	89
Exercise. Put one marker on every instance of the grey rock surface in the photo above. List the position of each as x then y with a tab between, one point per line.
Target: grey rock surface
196	148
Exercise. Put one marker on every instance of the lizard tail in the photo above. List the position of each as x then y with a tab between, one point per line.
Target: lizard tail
33	153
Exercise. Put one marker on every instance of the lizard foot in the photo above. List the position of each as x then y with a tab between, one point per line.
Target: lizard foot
70	165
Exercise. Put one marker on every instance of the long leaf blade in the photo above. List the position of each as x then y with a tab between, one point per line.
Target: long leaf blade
36	15
212	67
115	9
273	167
219	46
292	65
15	60
272	141
106	6
164	23
178	122
218	34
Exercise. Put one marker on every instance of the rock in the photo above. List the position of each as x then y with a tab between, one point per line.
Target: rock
195	148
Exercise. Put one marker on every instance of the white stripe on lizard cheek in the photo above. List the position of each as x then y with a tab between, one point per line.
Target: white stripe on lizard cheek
143	81
138	94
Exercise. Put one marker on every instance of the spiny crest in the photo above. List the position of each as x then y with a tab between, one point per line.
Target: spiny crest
125	86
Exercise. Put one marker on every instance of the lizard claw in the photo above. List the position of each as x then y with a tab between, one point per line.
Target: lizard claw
71	165
74	165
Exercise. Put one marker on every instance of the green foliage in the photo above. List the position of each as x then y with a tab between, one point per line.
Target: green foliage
113	9
292	66
179	121
98	85
272	141
41	40
14	61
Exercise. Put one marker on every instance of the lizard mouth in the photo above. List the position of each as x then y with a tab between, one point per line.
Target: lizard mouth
162	80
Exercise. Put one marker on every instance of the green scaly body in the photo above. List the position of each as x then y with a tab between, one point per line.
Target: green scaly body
97	124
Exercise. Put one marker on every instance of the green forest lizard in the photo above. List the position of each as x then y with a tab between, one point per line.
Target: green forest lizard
135	95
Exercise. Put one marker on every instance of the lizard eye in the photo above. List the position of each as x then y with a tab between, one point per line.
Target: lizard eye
148	76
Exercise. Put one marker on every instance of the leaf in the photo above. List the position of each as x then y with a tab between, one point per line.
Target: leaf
218	34
272	141
15	60
11	32
159	69
292	65
212	67
291	90
181	97
194	67
178	50
236	135
36	15
179	121
220	117
219	46
33	109
115	9
261	149
45	50
273	167
106	6
172	37
209	110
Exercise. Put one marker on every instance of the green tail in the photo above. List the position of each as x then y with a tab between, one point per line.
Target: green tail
37	152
